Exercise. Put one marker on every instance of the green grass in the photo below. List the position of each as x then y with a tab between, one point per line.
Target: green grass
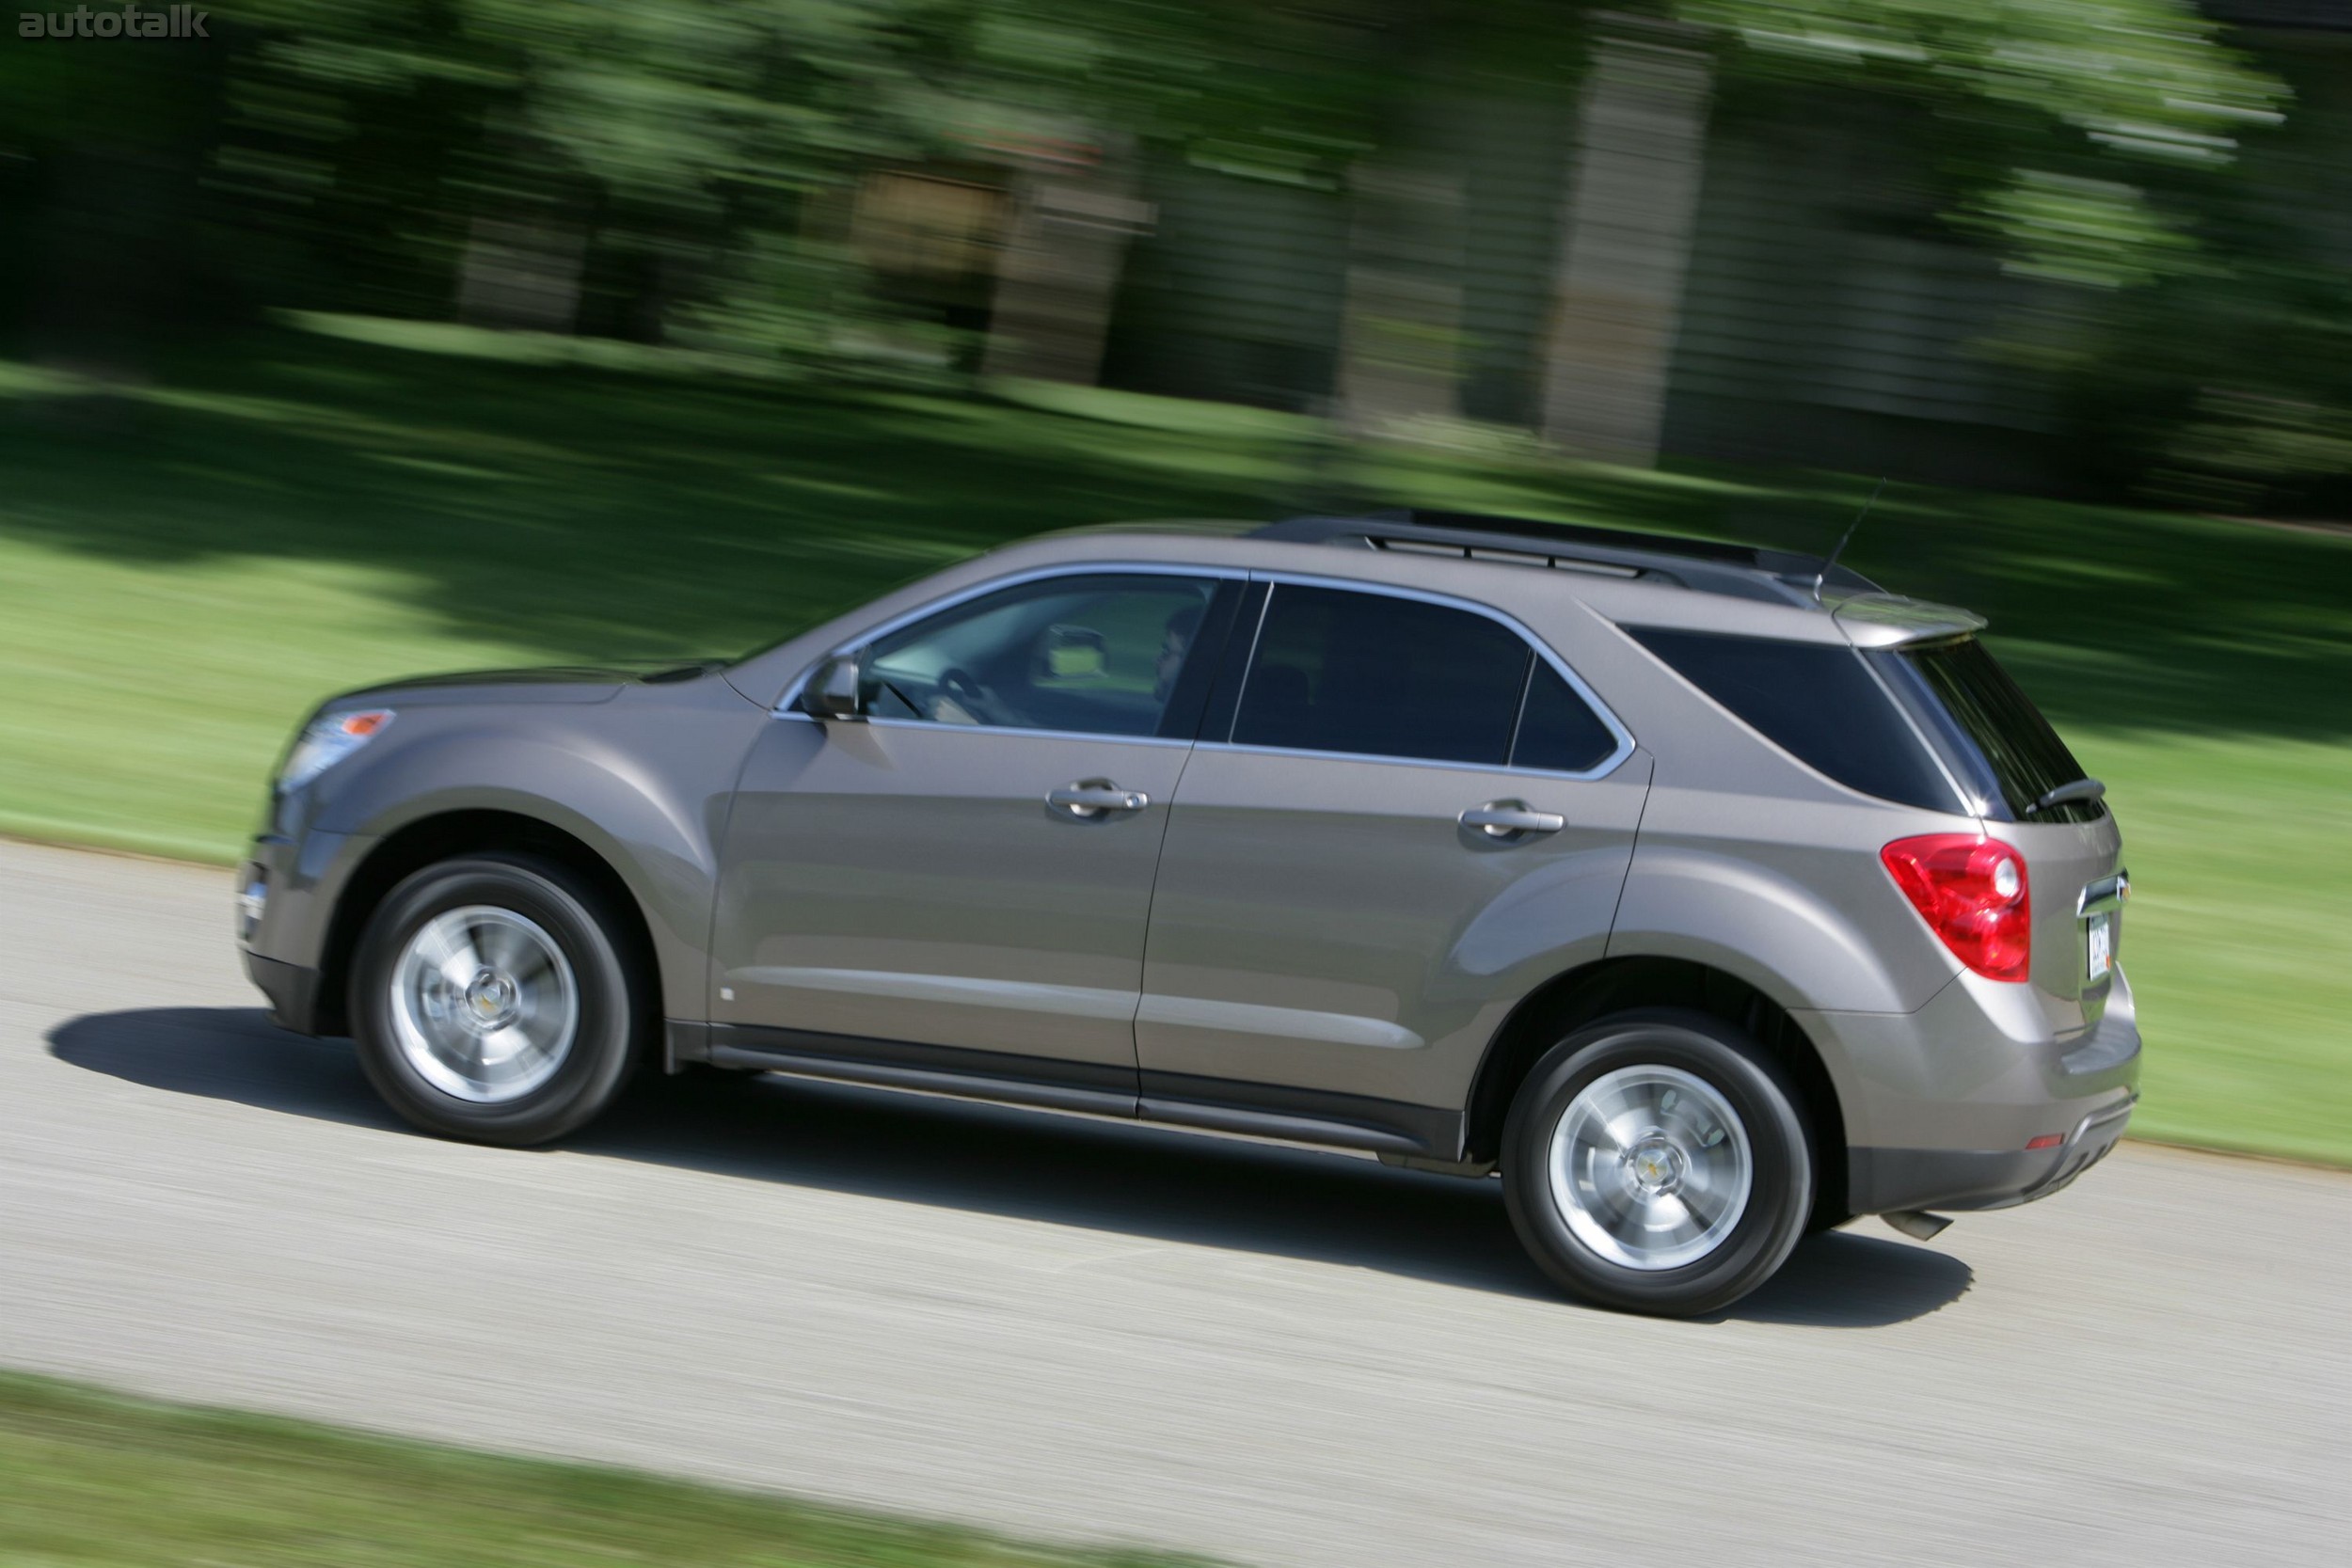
96	1480
185	569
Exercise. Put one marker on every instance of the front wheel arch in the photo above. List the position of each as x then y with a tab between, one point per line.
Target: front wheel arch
444	836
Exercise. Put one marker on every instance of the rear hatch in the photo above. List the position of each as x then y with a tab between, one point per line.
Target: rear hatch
2007	761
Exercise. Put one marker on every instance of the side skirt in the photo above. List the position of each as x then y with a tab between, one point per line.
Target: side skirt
1210	1104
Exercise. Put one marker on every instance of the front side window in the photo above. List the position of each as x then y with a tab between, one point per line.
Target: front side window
1372	675
1092	654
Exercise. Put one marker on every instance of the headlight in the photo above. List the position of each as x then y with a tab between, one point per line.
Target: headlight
326	741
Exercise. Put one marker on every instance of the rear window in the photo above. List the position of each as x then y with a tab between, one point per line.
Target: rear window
1993	737
1815	701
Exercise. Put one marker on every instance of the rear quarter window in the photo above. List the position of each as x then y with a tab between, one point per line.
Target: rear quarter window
1818	702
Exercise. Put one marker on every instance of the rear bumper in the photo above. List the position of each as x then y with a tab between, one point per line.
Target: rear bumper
1941	1105
1879	1180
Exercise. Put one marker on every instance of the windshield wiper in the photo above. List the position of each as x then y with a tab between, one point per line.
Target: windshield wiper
2081	789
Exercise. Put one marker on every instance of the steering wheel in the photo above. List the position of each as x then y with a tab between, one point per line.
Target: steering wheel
956	683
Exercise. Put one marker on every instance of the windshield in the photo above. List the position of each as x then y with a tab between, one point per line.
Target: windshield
1991	736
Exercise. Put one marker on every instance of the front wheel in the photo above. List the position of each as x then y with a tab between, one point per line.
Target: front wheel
492	999
1658	1162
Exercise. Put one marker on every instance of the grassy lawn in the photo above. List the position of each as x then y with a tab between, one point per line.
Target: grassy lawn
96	1480
183	571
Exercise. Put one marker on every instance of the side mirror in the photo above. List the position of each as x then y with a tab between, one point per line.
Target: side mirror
831	691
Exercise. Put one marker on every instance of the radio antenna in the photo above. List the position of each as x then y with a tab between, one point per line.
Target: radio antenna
1844	539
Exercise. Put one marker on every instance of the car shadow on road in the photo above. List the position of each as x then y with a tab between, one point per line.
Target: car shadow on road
1147	1181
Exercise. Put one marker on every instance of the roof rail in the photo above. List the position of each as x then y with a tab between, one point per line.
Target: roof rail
1701	566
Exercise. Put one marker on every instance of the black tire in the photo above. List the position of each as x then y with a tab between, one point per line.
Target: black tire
1780	1191
614	1020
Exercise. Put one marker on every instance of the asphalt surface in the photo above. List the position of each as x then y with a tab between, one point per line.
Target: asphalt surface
1101	1333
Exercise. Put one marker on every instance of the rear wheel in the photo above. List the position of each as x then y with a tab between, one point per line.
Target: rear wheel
1658	1162
492	999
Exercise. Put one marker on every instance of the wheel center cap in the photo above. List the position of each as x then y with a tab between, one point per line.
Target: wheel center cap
490	999
1657	1167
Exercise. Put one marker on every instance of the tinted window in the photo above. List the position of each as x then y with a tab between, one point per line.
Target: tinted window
1099	654
1815	701
1991	732
1558	729
1375	675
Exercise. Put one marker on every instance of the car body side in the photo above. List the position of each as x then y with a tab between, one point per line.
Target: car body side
1745	865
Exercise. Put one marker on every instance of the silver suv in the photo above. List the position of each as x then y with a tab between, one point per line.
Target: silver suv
1706	893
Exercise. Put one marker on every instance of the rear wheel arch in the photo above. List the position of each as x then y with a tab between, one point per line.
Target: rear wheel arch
417	844
1571	1000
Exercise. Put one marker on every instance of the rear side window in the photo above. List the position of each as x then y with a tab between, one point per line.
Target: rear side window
1993	737
1375	675
1816	701
1372	674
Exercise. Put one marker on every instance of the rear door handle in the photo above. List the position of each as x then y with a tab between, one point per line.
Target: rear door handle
1091	798
1510	818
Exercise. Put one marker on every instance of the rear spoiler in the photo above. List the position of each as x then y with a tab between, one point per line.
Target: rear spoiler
1890	620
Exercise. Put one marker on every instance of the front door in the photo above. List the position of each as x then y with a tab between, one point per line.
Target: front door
1419	816
960	880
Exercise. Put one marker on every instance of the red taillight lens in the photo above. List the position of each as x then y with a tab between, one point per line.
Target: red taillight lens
1972	893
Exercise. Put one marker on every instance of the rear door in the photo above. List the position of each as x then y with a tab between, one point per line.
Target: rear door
1406	817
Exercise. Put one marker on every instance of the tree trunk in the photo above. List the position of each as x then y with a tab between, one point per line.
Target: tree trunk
1399	350
1624	247
521	274
1059	271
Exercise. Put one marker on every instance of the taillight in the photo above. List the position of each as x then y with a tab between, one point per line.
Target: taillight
1972	893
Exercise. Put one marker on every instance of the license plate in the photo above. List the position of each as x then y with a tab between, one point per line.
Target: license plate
2099	933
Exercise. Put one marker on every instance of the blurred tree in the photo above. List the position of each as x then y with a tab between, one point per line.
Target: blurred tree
683	170
2051	104
102	150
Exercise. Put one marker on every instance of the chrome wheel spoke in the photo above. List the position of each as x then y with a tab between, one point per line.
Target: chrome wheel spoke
509	1046
1700	1199
510	950
448	949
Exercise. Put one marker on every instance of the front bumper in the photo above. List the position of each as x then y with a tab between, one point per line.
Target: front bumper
282	932
292	992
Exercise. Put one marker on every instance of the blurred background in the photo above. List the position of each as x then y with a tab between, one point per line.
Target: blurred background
341	340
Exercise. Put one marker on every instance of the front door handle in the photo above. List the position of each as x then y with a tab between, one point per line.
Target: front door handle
1510	818
1090	799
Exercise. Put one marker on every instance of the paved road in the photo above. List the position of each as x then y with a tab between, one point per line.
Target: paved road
1107	1333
